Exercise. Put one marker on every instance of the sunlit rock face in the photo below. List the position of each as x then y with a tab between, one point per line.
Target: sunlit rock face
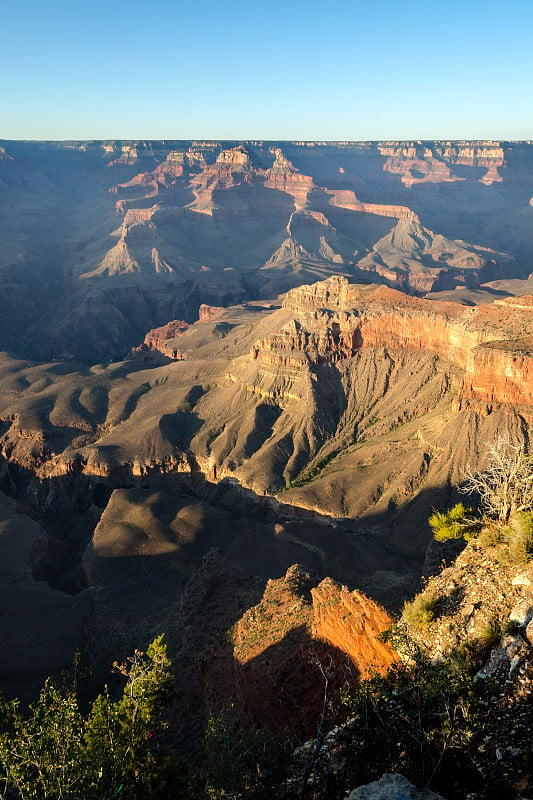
353	623
427	162
284	645
331	321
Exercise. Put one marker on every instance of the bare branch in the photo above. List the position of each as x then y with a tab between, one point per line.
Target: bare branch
506	485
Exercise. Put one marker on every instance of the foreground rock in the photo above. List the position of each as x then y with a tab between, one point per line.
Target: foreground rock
391	787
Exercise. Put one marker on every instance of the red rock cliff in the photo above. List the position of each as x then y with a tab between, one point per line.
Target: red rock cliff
492	345
353	623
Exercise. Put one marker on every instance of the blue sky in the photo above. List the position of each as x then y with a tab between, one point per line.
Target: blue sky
279	70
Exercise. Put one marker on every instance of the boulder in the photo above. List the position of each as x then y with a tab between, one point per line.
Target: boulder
523	578
391	787
522	612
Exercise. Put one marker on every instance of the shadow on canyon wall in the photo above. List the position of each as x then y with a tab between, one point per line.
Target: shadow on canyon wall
123	560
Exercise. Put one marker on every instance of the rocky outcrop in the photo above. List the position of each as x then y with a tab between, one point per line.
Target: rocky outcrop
472	595
296	629
345	198
332	320
480	611
284	177
162	340
353	623
275	671
391	787
237	156
207	313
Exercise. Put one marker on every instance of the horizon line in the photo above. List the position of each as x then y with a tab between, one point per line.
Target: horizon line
258	140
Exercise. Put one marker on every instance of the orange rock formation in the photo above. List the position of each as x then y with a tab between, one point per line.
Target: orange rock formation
284	177
162	340
281	643
352	623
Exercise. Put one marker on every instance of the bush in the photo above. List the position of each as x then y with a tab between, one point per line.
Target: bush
518	538
419	611
244	763
419	720
41	751
54	751
454	524
491	535
486	634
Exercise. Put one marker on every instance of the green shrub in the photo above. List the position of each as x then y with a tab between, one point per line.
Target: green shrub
486	634
419	611
491	535
419	720
518	538
54	751
244	762
41	751
454	524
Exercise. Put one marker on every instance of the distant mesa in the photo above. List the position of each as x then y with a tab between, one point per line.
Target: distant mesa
237	156
284	177
418	162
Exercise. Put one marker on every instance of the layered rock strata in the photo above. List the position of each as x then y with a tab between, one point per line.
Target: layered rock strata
433	162
491	345
162	340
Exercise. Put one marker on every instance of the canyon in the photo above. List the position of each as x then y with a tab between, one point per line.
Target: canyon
117	238
236	378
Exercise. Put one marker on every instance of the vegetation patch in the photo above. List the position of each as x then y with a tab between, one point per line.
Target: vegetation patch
53	750
453	524
419	612
517	547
